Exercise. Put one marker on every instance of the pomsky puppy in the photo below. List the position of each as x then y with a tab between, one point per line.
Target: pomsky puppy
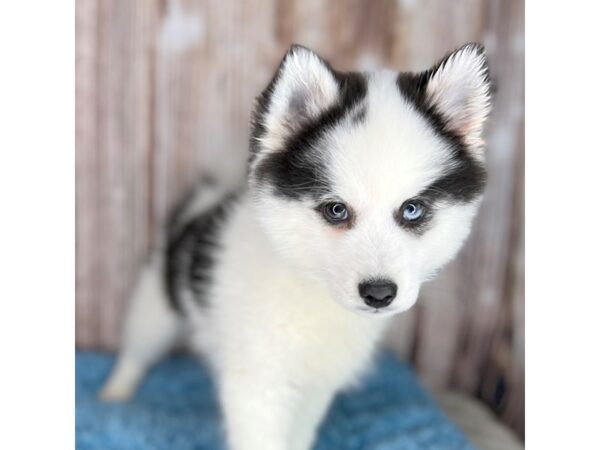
361	186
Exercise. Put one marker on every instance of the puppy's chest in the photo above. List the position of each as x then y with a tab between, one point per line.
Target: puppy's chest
269	314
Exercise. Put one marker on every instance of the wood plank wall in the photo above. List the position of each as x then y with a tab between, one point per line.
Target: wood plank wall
164	88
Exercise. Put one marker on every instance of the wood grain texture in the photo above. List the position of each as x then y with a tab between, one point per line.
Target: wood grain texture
164	90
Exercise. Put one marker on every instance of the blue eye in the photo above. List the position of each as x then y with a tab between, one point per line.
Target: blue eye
335	212
413	211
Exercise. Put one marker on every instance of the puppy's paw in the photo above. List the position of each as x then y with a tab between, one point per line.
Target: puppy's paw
115	393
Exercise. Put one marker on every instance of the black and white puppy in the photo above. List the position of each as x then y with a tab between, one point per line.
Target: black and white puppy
361	187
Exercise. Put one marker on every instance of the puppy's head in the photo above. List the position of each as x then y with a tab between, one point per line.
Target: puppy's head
368	182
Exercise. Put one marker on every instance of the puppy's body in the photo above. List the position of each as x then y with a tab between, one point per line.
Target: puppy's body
361	186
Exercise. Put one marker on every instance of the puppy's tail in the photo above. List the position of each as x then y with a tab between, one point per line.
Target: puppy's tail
203	196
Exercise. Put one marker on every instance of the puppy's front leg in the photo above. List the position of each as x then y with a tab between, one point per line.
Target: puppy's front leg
261	413
309	416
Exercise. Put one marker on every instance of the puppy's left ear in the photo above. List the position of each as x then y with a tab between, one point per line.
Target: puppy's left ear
458	89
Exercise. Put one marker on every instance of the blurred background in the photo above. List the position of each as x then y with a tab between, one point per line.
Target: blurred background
165	88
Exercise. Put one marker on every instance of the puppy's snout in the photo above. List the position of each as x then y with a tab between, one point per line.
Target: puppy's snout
378	293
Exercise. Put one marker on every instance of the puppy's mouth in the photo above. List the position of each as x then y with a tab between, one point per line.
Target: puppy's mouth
376	312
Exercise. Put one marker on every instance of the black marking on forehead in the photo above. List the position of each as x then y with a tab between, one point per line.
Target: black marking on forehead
297	170
463	183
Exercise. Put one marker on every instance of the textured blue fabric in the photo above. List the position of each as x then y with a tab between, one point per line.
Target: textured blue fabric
176	409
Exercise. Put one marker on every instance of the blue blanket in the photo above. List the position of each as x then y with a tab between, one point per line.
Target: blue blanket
176	409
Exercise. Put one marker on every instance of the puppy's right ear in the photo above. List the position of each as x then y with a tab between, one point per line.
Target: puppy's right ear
303	87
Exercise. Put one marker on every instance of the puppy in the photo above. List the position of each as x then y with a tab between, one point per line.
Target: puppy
361	186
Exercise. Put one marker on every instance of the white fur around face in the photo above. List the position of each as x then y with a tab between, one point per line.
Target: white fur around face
376	165
460	91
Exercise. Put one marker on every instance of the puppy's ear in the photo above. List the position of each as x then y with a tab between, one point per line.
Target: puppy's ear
303	87
458	89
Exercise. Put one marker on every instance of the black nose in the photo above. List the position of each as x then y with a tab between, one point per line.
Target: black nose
378	293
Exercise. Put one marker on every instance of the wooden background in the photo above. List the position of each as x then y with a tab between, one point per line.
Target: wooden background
164	88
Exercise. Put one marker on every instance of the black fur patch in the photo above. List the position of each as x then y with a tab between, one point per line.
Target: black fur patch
190	253
359	115
468	178
462	184
296	170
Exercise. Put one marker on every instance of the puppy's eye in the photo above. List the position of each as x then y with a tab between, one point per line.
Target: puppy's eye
335	212
413	211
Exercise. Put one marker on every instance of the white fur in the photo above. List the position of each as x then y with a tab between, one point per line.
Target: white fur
151	329
286	327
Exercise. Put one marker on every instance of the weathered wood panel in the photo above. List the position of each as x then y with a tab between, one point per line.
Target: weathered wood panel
164	90
86	179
